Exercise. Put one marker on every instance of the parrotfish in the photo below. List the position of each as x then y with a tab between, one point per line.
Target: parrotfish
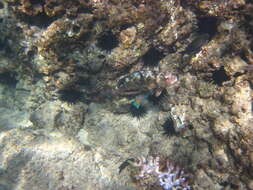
145	81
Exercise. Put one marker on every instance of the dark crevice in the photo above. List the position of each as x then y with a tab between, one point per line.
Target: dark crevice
85	10
219	76
5	46
170	49
8	51
243	55
8	78
197	43
125	26
248	25
37	77
152	57
35	2
230	185
1	5
76	29
85	37
2	44
237	74
70	95
41	20
208	25
190	126
226	50
224	183
53	5
135	4
108	41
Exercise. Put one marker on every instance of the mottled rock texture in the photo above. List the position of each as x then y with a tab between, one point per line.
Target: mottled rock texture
64	124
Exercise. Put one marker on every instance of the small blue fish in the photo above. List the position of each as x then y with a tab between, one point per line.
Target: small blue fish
140	100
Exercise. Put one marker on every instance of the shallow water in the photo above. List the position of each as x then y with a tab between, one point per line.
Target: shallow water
125	95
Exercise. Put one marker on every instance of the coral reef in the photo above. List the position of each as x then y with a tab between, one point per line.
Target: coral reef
99	81
160	172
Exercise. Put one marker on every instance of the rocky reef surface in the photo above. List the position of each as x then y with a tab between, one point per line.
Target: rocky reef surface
100	94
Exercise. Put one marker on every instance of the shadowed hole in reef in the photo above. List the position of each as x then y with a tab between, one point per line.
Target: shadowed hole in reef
227	184
1	5
70	95
208	25
40	20
219	76
152	57
85	10
8	78
108	41
76	29
85	36
196	45
34	2
53	5
2	44
124	27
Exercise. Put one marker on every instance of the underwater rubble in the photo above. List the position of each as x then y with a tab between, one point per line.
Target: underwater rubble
94	91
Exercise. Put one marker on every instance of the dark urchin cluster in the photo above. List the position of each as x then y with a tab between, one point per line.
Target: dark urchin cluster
168	127
70	95
139	112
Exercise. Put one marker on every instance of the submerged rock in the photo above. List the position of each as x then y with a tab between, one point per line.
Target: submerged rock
65	125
